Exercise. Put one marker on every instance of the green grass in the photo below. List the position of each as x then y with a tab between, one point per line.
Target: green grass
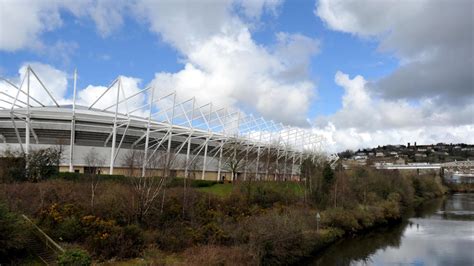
221	190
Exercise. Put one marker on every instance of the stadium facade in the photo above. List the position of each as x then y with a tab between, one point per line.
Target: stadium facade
150	132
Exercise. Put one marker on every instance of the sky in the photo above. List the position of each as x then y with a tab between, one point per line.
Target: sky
361	73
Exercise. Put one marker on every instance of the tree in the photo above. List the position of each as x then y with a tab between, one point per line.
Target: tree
93	162
346	154
235	158
328	174
131	160
43	163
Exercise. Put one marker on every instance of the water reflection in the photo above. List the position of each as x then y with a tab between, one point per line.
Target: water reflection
440	232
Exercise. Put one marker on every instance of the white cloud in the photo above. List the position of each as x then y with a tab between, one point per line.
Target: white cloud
53	79
22	22
129	87
432	38
255	8
33	18
223	64
429	98
367	121
56	81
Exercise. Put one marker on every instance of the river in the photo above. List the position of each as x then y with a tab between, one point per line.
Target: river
439	232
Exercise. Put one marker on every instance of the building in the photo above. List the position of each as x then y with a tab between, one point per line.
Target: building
182	137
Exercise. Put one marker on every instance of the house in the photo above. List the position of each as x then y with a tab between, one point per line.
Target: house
379	154
360	157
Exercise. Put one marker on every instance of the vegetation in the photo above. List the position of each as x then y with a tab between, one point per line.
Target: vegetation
76	257
206	222
13	236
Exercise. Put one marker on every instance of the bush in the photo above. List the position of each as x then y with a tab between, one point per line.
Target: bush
107	240
70	229
86	177
43	163
178	182
266	194
427	187
12	235
340	218
217	255
274	238
75	257
12	168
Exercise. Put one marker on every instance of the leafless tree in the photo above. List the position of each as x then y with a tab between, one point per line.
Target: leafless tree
93	162
133	160
236	158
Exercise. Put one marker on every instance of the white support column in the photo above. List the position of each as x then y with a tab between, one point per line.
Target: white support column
73	125
186	173
258	160
246	163
277	171
114	130
207	140
147	136
220	161
27	126
268	163
286	154
293	157
204	162
168	150
258	155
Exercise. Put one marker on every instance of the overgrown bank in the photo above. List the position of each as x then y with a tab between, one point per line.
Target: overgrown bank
243	223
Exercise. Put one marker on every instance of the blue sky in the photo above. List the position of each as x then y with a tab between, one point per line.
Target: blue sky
134	51
331	43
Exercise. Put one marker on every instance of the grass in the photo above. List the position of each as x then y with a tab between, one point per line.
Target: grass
221	190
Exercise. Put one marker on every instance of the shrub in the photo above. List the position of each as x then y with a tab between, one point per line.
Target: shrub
75	257
43	163
107	240
70	229
85	177
12	168
12	235
273	238
340	218
217	255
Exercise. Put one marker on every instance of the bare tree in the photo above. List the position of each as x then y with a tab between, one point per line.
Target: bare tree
235	158
93	162
133	161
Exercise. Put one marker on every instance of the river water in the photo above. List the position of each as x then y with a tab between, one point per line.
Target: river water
440	232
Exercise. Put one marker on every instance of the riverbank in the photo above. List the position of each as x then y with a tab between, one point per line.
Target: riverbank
245	223
460	188
423	237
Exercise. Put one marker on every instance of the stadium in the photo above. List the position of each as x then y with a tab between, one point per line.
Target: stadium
150	132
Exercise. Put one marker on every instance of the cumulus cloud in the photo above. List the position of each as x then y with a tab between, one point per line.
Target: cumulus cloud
22	23
433	39
56	81
223	63
33	18
53	79
366	120
128	86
